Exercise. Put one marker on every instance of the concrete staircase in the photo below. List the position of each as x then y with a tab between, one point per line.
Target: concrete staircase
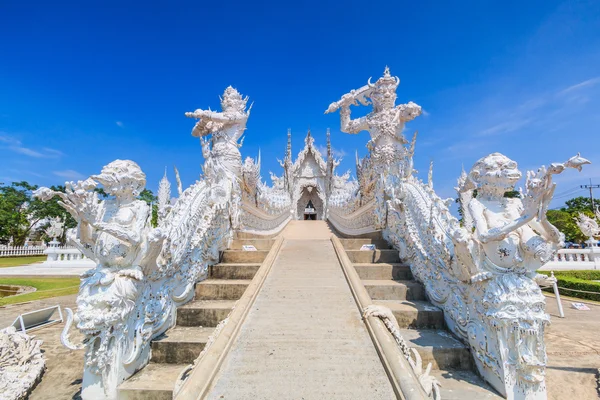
214	299
390	283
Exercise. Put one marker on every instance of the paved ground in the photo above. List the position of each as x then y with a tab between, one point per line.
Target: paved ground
62	379
303	338
294	296
573	351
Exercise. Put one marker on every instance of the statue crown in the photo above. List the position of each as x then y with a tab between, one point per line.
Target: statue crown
232	98
385	82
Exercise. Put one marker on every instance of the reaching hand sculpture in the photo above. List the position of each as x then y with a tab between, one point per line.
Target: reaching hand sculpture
226	128
514	233
223	161
500	248
116	233
385	123
483	273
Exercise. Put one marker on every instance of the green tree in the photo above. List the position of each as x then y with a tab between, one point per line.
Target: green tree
149	197
565	223
564	219
20	212
52	210
578	204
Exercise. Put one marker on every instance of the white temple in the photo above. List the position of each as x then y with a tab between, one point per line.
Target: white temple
480	272
310	180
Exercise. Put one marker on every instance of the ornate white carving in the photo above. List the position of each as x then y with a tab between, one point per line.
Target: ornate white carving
356	223
144	273
22	364
251	179
385	123
164	197
255	220
429	383
55	229
482	274
589	226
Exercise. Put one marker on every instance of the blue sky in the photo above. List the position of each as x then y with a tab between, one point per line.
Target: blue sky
84	83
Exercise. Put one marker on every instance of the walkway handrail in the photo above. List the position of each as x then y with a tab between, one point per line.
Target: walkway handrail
404	382
195	384
255	220
358	222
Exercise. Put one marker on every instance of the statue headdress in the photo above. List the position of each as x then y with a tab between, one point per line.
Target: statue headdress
385	82
233	99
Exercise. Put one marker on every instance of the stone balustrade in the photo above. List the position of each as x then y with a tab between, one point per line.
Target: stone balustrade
574	259
19	251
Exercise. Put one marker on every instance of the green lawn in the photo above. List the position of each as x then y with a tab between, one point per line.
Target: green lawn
46	287
16	261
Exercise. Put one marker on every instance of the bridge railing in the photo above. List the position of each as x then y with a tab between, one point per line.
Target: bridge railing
19	251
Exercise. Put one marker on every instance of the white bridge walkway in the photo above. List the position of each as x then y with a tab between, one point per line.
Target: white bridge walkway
303	338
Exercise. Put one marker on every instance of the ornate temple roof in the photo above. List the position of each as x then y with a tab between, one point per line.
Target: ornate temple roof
309	148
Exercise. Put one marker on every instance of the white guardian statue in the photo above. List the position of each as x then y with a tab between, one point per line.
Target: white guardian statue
144	273
481	271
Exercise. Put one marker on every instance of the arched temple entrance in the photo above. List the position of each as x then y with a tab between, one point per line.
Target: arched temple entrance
310	205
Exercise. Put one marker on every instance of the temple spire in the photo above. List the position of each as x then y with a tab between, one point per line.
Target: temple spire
328	143
288	153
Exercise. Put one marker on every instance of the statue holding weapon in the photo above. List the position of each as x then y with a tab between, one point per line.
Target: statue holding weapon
385	123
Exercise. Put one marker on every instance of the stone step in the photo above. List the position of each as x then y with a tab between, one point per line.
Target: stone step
415	314
384	271
394	290
373	256
233	271
204	312
356	244
240	256
247	235
439	347
221	289
153	382
180	344
260	244
460	385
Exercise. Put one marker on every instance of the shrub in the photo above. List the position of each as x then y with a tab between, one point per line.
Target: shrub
578	280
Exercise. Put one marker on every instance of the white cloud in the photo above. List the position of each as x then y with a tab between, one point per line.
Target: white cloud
505	127
15	145
9	140
337	153
119	124
69	174
580	85
56	153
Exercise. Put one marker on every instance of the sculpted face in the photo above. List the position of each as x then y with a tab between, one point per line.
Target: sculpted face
121	176
495	169
384	98
232	100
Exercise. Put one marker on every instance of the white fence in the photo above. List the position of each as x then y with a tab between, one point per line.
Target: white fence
574	259
11	251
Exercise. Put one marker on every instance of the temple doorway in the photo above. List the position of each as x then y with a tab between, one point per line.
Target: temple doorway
309	211
310	205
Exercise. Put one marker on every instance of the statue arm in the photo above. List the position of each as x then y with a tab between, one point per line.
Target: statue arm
408	112
352	126
485	234
133	235
217	116
547	230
